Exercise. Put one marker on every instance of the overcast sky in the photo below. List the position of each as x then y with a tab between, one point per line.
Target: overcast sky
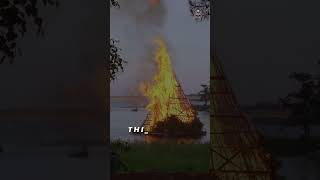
188	42
261	42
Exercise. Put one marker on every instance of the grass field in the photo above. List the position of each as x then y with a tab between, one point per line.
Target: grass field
167	157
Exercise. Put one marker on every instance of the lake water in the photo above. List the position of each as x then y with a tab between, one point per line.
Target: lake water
305	166
122	117
280	131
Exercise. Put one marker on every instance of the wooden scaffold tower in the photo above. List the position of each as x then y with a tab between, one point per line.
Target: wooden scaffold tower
183	102
236	150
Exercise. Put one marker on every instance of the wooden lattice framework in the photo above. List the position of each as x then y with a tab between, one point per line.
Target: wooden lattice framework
184	102
236	149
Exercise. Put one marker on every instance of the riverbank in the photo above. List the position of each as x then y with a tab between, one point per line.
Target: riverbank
165	157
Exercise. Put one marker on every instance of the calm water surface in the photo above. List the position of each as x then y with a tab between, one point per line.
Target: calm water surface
122	116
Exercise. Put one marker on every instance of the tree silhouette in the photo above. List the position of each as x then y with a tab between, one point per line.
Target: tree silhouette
15	16
304	104
114	3
204	94
200	9
115	62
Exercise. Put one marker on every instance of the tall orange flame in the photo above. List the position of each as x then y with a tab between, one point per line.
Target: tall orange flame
164	93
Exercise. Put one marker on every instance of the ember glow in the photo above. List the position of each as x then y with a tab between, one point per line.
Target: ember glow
154	2
164	93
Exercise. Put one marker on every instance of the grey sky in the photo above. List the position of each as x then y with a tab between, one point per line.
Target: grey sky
188	43
262	42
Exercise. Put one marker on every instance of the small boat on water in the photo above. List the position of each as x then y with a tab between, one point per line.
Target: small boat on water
135	109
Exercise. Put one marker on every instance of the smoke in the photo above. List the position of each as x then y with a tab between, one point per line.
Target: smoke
144	12
136	24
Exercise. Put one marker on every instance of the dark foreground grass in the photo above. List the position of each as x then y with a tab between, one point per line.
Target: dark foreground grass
288	147
166	157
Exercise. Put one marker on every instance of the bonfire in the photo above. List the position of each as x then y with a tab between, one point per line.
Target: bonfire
169	110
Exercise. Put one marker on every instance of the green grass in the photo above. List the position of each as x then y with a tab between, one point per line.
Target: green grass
168	157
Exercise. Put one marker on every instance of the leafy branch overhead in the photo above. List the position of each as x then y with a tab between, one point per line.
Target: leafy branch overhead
116	61
200	9
15	15
114	3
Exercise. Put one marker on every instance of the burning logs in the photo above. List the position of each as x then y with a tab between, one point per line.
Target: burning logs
169	110
172	126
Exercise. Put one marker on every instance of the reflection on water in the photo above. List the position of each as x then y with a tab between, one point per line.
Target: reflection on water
303	166
123	116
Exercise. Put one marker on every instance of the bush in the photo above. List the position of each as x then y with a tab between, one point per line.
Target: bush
173	127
